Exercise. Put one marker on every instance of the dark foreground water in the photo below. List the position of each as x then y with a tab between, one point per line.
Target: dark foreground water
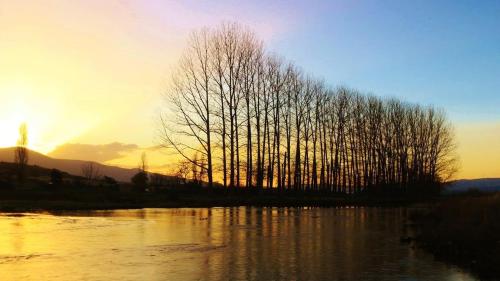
215	244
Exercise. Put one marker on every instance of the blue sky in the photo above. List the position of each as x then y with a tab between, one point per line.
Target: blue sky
445	53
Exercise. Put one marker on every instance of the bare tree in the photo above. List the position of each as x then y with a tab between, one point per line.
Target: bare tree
90	172
182	172
143	165
190	130
21	153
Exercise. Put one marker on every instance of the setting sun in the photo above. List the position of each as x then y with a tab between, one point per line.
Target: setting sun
15	112
46	119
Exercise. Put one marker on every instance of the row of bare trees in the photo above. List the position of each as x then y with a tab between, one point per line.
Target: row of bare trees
258	121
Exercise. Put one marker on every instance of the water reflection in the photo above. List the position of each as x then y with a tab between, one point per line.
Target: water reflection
215	244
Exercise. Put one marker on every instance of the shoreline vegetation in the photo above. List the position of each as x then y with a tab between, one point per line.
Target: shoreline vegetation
42	189
463	230
95	198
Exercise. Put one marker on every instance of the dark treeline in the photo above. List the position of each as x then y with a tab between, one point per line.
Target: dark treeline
247	118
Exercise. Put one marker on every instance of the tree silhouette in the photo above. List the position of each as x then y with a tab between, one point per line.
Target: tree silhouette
21	153
140	181
90	172
260	122
143	165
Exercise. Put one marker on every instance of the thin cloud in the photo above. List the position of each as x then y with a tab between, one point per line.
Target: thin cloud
91	152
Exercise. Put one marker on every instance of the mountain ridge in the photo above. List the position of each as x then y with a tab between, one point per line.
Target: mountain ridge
481	184
71	166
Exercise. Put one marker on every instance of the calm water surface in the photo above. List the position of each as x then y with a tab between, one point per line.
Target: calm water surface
215	244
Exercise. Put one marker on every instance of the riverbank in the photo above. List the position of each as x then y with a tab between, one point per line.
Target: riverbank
66	199
463	230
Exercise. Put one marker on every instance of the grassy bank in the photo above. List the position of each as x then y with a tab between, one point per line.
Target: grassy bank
464	230
48	189
18	200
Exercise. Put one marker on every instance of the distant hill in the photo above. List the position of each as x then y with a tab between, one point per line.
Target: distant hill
485	185
73	167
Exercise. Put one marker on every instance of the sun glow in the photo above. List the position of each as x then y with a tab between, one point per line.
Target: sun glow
21	106
44	119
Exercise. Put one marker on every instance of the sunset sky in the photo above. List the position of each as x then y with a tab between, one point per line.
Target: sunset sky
88	75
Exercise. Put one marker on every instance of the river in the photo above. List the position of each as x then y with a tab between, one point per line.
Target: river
215	244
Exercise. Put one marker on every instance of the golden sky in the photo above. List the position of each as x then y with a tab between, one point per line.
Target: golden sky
73	80
92	72
479	149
